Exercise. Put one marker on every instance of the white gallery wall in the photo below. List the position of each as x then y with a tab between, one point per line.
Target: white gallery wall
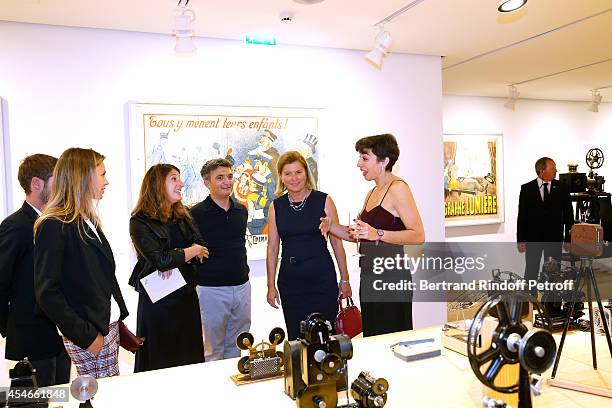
68	87
562	130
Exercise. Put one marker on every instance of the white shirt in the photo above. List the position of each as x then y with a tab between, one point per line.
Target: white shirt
541	187
115	311
35	209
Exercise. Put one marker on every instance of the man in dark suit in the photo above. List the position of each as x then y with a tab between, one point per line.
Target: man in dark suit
545	218
28	335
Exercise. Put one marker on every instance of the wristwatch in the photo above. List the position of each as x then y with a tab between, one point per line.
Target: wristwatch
380	234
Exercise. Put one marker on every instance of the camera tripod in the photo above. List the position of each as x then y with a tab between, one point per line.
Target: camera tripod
586	268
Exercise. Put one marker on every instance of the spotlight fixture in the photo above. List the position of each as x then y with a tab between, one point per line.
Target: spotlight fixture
513	95
383	42
308	1
183	30
595	101
506	6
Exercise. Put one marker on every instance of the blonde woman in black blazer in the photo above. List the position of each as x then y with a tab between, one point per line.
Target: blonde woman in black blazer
74	268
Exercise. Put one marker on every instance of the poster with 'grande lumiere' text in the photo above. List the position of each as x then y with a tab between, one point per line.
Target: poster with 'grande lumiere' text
473	179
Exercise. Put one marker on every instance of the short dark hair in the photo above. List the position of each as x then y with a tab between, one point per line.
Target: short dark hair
541	163
213	164
36	165
382	146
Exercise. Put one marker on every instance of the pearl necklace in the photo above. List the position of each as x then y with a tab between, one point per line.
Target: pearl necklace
297	205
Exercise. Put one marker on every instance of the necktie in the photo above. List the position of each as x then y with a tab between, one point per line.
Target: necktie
546	193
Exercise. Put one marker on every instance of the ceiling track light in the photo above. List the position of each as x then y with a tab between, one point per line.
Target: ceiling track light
308	2
383	43
513	95
183	30
595	101
383	39
507	6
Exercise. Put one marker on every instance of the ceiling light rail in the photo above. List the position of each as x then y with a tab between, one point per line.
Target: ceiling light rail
563	72
398	12
484	54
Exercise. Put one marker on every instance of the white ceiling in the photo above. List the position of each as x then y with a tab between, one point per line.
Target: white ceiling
484	51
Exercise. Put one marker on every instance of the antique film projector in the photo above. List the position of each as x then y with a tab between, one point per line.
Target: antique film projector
557	303
580	182
316	369
593	204
455	334
263	360
511	343
23	377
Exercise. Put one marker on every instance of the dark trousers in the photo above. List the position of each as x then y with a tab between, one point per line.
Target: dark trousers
53	371
385	317
533	258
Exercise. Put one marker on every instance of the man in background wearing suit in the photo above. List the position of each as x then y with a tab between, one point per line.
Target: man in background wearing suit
28	335
545	218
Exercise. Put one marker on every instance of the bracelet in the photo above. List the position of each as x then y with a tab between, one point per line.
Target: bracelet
343	281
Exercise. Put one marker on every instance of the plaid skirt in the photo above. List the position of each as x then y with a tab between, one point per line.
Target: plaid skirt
103	364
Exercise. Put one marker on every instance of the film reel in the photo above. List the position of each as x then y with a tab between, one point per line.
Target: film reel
277	335
512	342
244	340
83	388
594	158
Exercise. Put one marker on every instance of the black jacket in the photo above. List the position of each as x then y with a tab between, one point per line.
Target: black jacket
151	239
74	278
544	222
27	334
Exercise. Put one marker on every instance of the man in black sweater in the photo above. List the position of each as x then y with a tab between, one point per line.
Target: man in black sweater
224	291
27	334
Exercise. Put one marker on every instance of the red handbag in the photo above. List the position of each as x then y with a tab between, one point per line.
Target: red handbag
348	320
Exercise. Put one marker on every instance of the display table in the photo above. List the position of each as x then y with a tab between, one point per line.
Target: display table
444	381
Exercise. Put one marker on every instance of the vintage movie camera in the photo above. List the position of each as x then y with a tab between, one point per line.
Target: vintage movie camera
368	391
593	204
581	182
315	366
558	303
263	360
23	378
511	343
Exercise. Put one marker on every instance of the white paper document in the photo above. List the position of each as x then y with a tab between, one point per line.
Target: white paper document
158	288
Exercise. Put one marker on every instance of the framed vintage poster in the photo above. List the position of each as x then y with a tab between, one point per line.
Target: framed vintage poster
473	179
251	138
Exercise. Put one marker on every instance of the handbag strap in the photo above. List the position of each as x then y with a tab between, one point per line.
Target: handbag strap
349	302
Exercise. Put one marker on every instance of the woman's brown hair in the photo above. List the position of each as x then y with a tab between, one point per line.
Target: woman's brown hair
153	202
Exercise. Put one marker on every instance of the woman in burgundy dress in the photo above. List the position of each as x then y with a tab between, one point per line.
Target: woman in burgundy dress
389	220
